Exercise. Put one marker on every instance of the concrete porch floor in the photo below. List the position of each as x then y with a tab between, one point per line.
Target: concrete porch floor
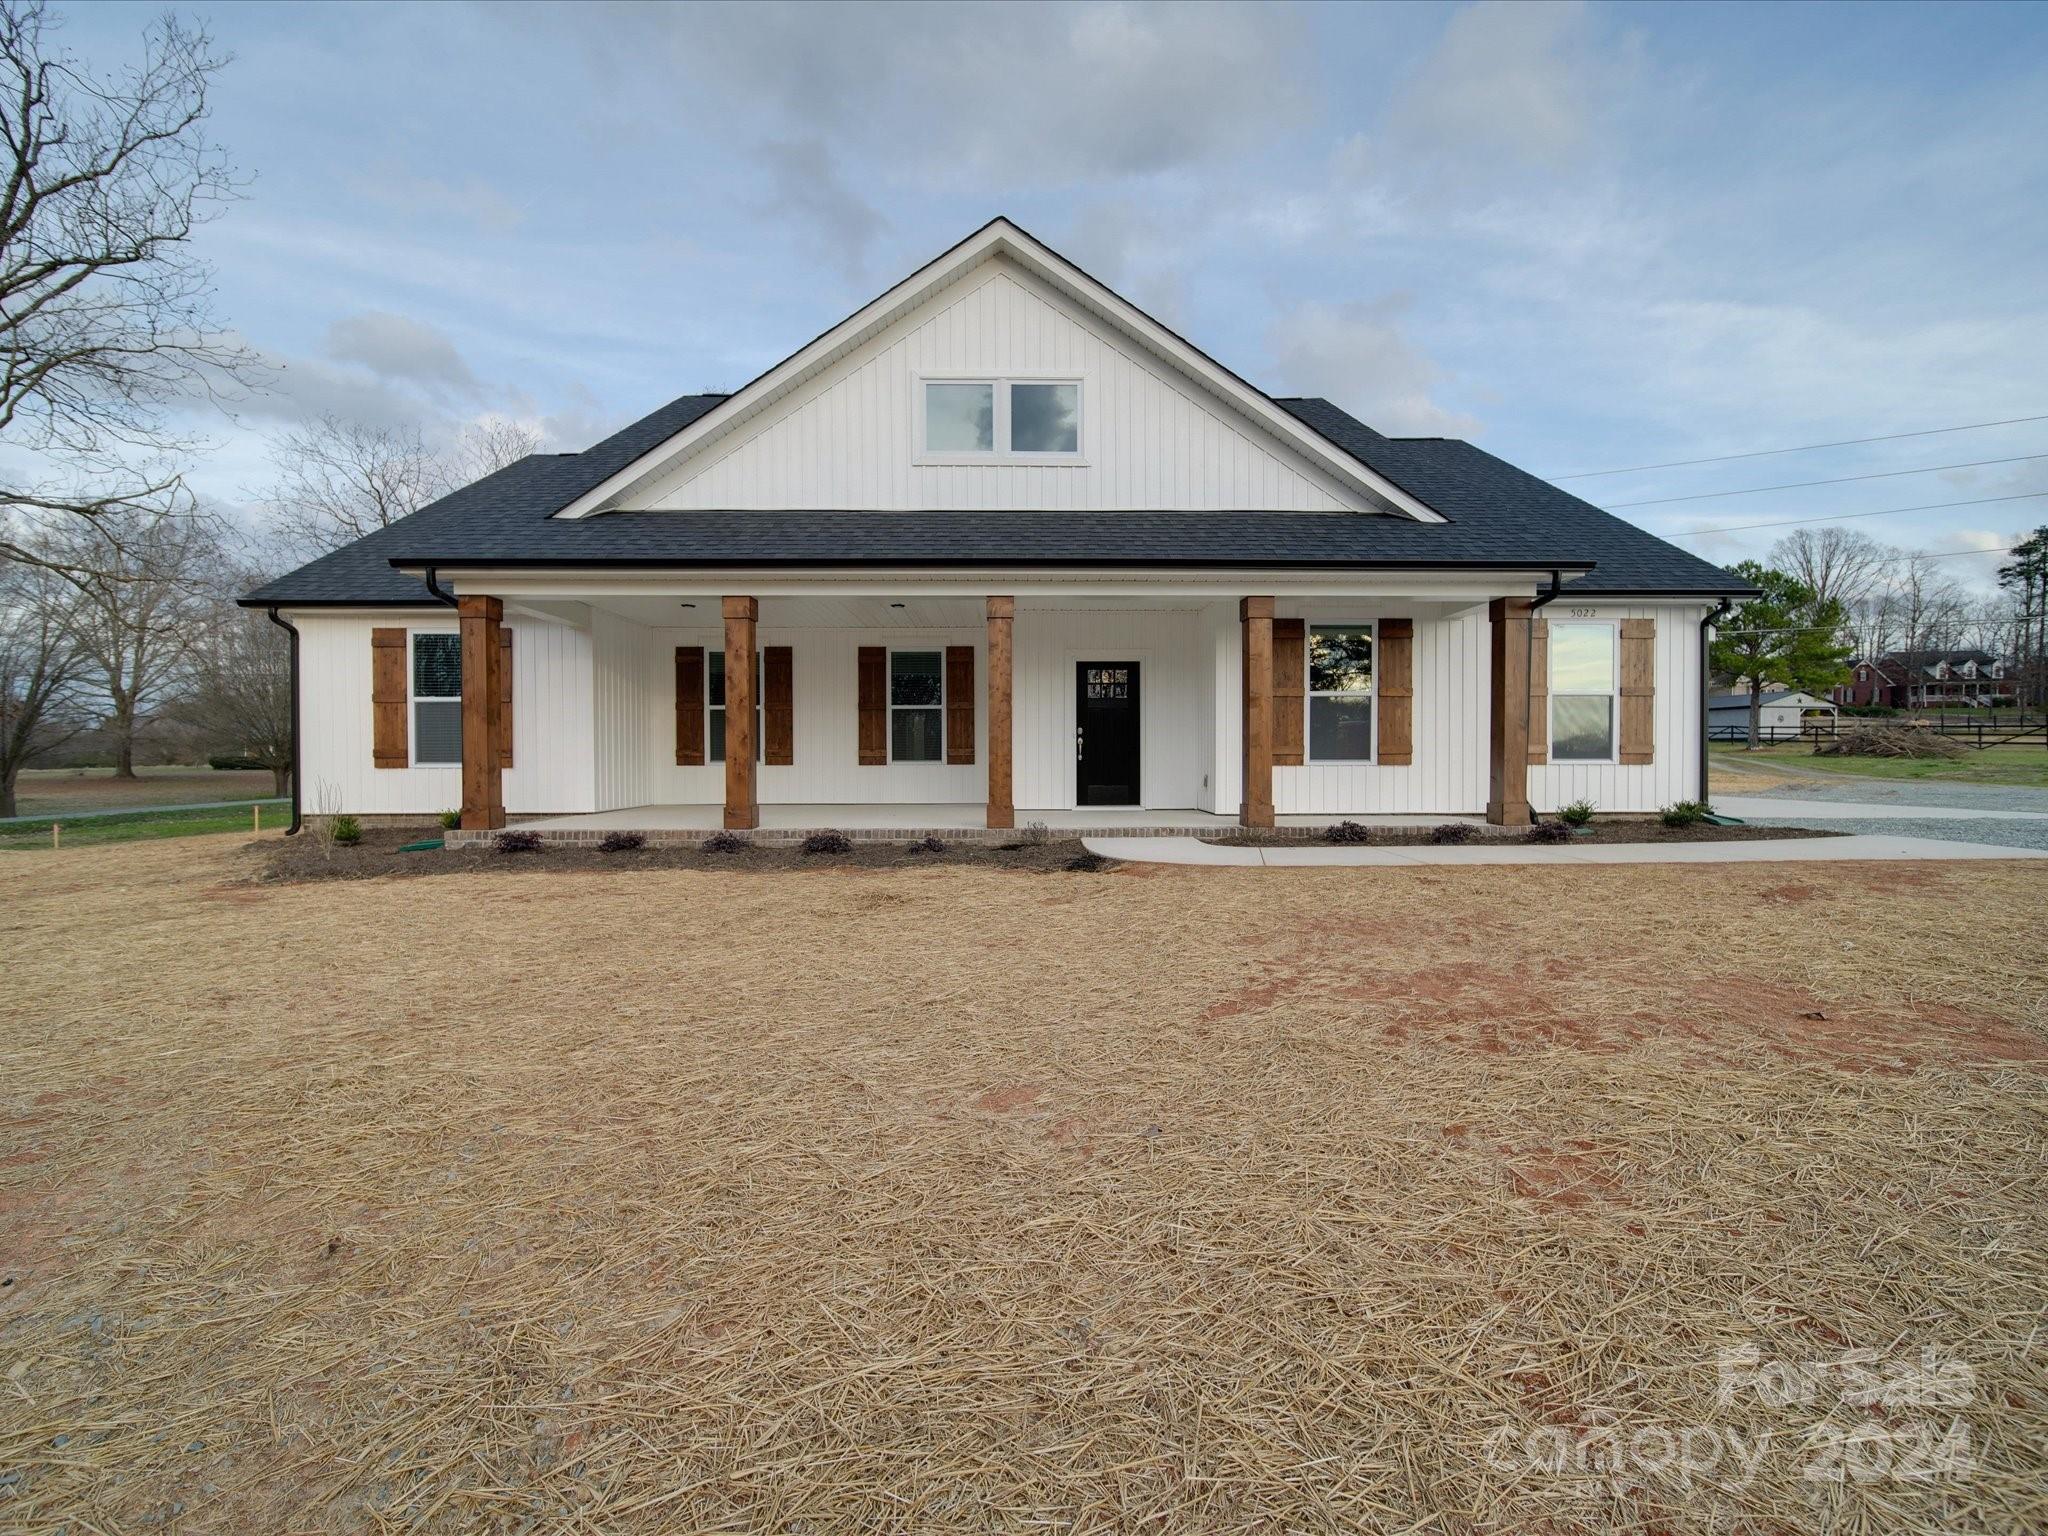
879	818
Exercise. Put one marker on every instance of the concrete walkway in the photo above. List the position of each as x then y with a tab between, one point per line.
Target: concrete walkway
1189	850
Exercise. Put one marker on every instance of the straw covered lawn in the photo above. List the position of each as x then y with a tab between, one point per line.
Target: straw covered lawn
959	1200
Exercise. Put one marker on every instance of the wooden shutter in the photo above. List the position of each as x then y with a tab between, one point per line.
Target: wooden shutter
874	704
959	704
504	697
1290	680
778	706
390	697
690	706
1638	690
1539	690
1397	692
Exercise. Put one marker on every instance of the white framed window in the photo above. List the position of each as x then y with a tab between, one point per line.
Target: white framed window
995	420
1583	668
714	705
436	700
917	706
1340	693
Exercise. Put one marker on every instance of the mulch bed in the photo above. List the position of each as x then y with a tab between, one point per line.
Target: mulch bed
310	857
1599	832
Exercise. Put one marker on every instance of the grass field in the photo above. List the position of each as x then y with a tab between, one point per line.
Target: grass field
2019	766
53	791
948	1200
139	826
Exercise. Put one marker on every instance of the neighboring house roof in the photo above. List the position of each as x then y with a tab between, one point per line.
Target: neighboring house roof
1741	700
1495	516
1892	663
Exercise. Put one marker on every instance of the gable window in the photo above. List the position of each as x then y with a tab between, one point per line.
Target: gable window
714	706
1582	672
960	418
437	701
1028	419
917	706
1340	693
1045	418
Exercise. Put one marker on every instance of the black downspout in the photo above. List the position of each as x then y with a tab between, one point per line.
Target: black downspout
1543	600
298	811
1706	717
439	592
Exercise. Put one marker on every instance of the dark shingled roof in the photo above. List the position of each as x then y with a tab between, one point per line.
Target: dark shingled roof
1498	517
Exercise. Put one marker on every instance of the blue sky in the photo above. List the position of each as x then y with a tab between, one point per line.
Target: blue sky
1583	236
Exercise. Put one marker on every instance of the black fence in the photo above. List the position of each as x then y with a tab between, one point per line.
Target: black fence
1993	728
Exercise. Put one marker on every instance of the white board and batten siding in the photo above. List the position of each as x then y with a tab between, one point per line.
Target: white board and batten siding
1673	772
551	714
1151	439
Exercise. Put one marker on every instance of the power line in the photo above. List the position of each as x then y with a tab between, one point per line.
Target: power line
1800	485
1764	453
1800	522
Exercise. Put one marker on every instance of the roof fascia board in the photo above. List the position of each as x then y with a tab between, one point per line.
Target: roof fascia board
1000	235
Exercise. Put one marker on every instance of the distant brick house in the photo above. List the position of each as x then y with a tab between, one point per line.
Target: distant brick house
1927	680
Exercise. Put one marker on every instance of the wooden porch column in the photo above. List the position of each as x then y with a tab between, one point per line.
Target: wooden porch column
483	784
1507	801
1255	614
1002	812
742	792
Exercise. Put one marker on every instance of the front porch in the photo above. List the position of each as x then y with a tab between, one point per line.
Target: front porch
927	707
881	822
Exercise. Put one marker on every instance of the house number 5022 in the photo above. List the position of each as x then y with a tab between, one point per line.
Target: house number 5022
1580	613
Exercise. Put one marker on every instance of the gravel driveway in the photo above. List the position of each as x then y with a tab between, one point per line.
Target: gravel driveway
2007	829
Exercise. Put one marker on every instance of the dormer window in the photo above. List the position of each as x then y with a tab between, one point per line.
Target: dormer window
999	421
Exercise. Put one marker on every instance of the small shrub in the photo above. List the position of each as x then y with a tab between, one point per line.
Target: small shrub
345	830
929	845
1451	832
725	842
1036	834
621	842
827	842
1087	863
1548	832
1577	814
450	820
229	761
1347	832
1684	813
517	842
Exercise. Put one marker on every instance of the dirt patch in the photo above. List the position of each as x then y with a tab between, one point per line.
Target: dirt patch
308	857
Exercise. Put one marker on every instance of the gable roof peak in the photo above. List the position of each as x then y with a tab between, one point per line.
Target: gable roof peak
1003	236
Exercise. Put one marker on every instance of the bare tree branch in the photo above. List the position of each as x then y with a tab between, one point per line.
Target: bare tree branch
105	312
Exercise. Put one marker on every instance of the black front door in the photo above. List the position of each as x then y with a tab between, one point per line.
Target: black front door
1106	733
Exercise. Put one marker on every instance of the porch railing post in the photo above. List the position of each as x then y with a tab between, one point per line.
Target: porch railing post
1255	615
1002	811
742	793
483	782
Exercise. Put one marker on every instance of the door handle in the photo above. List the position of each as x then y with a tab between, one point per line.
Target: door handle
1077	744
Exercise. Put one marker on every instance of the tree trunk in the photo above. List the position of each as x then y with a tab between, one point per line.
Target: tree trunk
123	722
7	795
280	779
1756	710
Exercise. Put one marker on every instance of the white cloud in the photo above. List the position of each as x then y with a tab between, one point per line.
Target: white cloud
1355	356
805	184
1029	95
1508	86
395	347
471	200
